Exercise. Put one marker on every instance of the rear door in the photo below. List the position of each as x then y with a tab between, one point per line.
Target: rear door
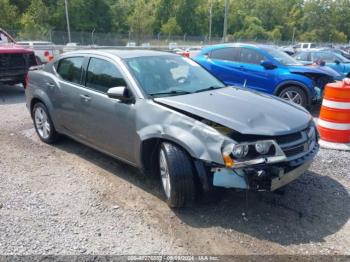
107	123
224	65
65	92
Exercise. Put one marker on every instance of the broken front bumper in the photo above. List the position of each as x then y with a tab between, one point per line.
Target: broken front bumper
268	179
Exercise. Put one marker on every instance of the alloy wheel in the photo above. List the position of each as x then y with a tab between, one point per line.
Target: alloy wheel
42	123
292	96
164	173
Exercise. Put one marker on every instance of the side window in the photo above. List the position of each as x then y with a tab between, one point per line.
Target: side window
313	46
302	56
103	75
251	56
70	69
327	57
305	46
230	54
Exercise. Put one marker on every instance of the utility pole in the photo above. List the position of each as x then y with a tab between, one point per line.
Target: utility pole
67	18
210	19
224	38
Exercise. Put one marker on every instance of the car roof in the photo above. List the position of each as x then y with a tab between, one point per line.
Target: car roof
123	54
249	45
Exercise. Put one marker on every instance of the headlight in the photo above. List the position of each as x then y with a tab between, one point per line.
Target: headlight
263	147
240	151
252	153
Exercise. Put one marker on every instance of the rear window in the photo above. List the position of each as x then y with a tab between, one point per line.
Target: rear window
70	69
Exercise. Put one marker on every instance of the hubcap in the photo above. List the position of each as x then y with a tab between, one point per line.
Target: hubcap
164	173
41	123
292	96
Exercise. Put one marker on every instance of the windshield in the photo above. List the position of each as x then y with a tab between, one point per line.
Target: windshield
282	57
171	75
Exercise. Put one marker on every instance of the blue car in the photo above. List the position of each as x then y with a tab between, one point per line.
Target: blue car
266	69
331	59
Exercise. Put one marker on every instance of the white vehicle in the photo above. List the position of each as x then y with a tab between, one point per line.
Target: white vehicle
70	47
304	46
131	44
44	51
172	45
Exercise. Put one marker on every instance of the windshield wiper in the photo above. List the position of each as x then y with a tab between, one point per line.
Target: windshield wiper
173	92
209	88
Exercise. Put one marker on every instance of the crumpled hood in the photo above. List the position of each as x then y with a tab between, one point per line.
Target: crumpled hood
315	69
245	111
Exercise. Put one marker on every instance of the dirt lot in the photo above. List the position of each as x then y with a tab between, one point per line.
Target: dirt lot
70	199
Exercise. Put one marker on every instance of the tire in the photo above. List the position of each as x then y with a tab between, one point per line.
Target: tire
294	94
43	124
177	175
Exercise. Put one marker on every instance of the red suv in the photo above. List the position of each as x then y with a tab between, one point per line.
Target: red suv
15	61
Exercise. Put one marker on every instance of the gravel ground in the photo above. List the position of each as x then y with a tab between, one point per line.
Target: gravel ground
70	199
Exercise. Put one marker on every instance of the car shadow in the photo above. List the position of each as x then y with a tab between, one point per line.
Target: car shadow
11	94
312	207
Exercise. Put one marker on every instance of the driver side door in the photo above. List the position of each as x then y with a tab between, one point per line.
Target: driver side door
106	123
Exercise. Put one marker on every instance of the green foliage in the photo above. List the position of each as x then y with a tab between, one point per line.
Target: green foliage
34	21
141	20
274	20
171	27
8	17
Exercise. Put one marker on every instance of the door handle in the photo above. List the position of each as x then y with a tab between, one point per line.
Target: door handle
242	68
85	98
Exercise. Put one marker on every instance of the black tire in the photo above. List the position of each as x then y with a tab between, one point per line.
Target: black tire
181	175
297	90
52	134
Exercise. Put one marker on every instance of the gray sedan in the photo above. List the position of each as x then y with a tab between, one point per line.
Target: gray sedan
166	115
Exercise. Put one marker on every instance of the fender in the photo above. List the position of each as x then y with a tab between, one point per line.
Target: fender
42	96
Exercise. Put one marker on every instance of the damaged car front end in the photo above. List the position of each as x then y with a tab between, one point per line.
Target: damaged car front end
261	145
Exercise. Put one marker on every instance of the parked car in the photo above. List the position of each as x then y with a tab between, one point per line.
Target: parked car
131	44
44	51
338	51
15	61
330	59
166	115
70	47
172	45
304	46
266	69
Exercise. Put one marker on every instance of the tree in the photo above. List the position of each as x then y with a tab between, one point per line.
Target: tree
34	21
9	15
171	27
141	19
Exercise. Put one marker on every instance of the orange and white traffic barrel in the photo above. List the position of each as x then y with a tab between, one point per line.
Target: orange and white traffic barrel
334	121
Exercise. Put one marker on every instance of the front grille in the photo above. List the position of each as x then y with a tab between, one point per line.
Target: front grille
288	138
295	150
12	61
297	144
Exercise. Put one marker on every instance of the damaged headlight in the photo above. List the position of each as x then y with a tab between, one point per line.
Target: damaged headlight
252	153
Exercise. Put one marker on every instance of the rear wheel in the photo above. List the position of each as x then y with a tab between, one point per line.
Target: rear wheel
177	175
43	124
295	95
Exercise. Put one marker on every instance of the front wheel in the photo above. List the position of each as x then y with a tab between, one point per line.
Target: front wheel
177	175
295	95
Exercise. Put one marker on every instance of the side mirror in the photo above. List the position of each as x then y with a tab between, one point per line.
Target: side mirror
120	93
268	65
337	62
